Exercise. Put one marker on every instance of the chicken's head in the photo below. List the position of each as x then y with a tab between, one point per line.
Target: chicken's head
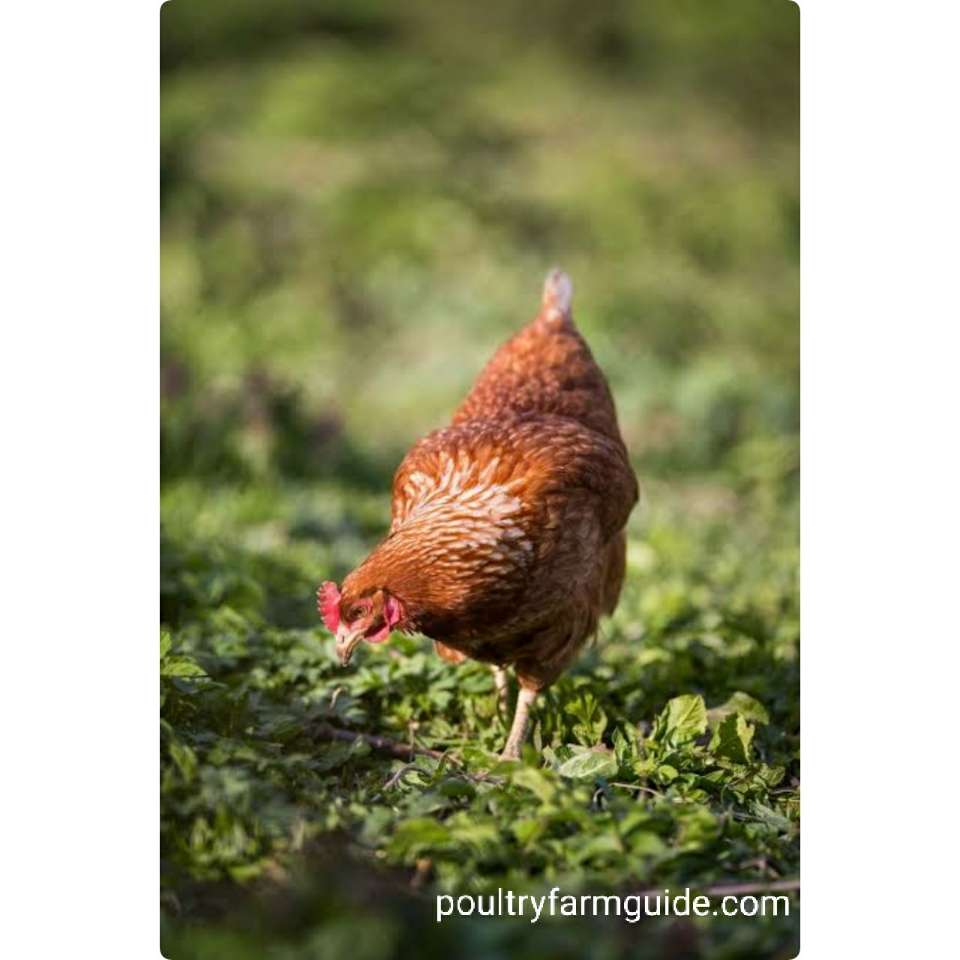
351	618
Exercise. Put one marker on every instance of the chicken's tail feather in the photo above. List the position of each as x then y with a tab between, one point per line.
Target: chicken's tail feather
557	296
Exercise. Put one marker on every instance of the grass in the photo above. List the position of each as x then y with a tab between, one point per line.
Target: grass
359	202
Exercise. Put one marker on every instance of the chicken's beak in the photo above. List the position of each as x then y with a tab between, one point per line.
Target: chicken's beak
347	641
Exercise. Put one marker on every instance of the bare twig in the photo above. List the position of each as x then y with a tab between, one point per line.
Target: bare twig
740	889
333	698
422	873
403	751
399	775
636	786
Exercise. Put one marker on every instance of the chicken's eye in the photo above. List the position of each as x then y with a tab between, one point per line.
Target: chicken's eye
357	610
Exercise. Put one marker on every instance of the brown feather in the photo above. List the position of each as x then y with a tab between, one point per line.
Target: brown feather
506	543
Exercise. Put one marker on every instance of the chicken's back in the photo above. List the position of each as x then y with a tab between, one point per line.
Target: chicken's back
546	368
507	539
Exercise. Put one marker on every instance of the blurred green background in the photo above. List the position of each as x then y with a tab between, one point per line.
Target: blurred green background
359	203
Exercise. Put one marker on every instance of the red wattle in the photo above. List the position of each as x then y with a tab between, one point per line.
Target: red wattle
392	611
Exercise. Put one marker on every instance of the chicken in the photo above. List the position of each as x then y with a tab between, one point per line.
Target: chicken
507	536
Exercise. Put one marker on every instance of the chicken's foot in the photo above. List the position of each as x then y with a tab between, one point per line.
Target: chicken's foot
521	725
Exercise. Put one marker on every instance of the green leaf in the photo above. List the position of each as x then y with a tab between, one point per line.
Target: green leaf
455	787
644	767
592	721
698	828
770	817
181	667
528	830
771	775
742	703
598	848
684	718
646	844
534	781
624	747
335	755
185	759
471	833
732	739
416	836
589	765
665	773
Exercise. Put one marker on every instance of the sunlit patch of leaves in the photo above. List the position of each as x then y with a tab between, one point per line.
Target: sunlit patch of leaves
667	756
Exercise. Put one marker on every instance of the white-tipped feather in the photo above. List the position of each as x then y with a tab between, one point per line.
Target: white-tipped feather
557	294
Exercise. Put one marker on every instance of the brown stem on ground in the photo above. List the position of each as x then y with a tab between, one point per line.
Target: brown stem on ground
422	873
740	889
403	751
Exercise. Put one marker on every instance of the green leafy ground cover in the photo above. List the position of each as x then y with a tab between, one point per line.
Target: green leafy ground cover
359	202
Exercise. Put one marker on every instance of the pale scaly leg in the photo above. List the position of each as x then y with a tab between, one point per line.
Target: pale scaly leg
521	724
502	683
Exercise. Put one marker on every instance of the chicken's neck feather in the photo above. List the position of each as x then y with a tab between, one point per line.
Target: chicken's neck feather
453	549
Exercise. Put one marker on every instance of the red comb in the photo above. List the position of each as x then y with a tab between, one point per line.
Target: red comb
328	604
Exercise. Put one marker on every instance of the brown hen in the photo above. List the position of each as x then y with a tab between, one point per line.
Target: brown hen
507	539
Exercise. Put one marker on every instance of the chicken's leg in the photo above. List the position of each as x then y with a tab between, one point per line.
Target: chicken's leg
521	724
502	683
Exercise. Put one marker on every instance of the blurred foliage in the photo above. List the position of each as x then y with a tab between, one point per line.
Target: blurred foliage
359	201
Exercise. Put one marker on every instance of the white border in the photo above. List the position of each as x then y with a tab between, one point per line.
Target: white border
79	398
879	352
